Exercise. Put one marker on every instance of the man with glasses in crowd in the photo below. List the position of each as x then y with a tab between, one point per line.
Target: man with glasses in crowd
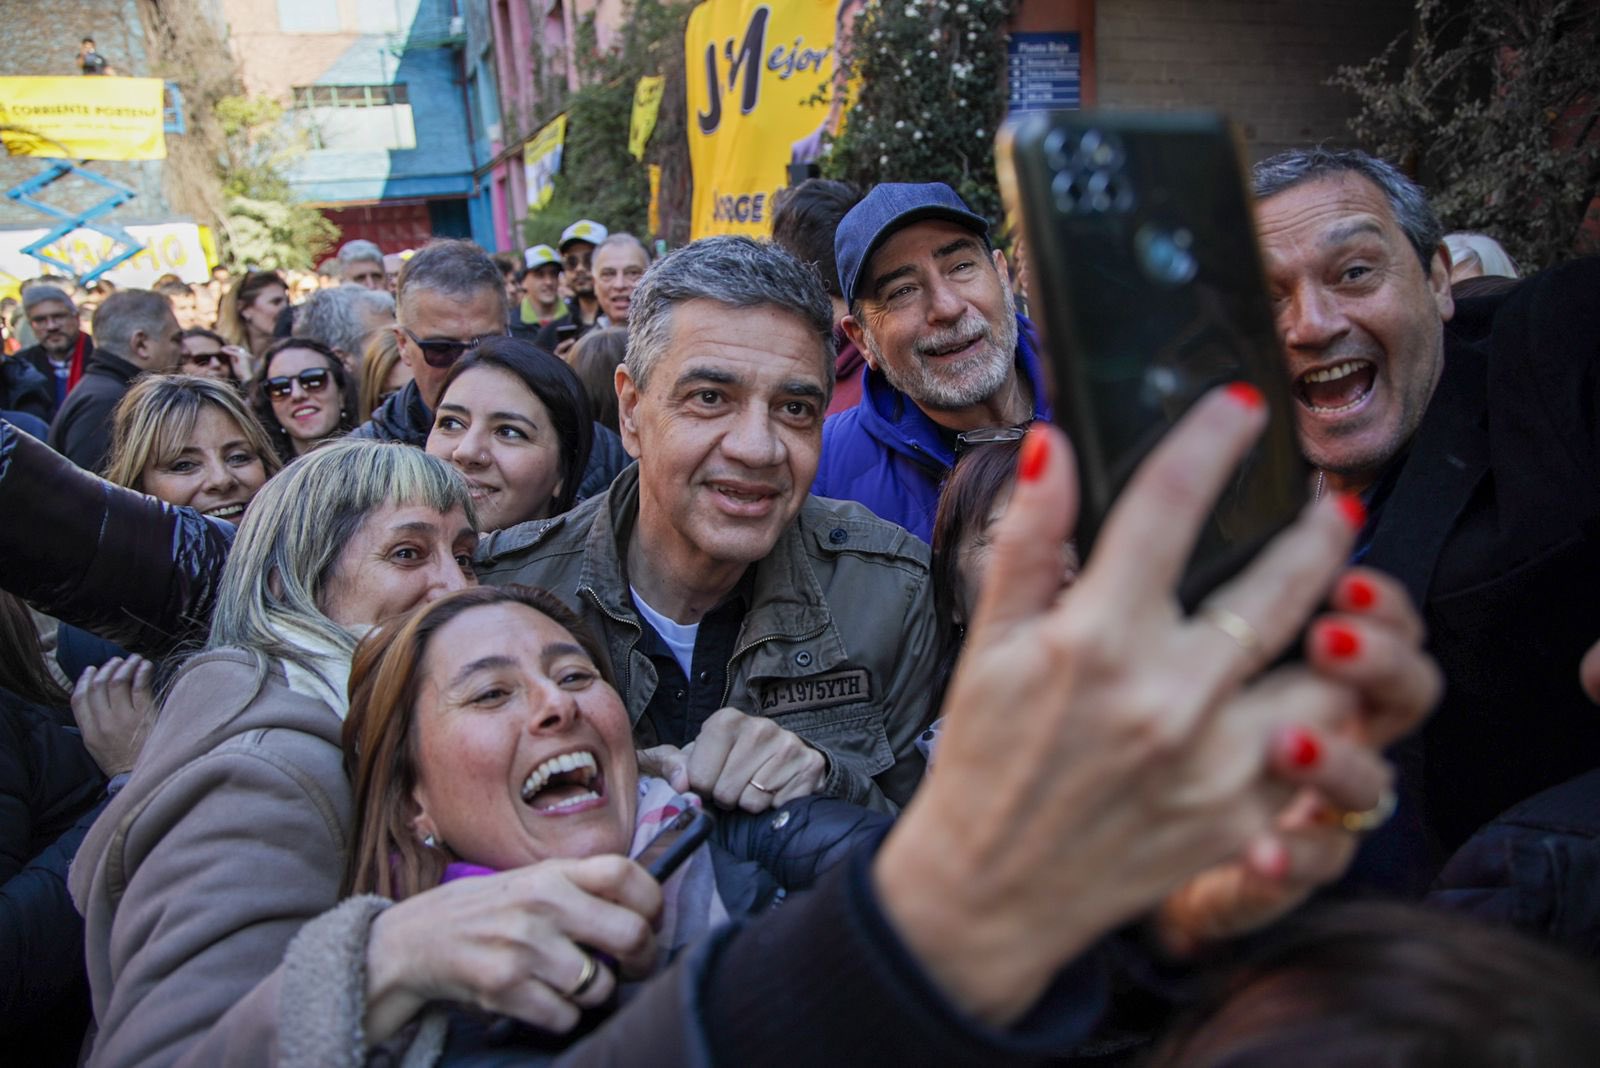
951	362
449	297
577	246
63	349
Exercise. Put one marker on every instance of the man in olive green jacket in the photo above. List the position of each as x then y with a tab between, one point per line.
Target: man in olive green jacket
768	645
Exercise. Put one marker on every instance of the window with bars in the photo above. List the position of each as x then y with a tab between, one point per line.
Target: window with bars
350	96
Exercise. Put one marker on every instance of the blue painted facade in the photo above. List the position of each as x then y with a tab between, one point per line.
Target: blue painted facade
425	152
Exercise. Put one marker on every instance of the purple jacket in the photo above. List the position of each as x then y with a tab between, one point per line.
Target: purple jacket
886	454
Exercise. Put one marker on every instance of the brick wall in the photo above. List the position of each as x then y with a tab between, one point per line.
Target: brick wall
1264	62
43	39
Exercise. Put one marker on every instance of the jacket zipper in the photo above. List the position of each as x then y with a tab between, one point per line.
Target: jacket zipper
627	667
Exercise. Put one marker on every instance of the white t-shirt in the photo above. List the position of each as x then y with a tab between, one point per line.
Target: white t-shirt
678	636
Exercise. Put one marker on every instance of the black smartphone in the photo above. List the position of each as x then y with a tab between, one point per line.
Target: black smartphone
566	331
1146	281
671	846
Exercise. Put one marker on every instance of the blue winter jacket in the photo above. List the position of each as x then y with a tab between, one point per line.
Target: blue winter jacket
886	454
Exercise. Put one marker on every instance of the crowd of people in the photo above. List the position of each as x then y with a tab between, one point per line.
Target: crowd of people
355	637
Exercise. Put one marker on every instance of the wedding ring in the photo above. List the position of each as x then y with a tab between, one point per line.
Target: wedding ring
586	979
1370	819
1233	625
763	789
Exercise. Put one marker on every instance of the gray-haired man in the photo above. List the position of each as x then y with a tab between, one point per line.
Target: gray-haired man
344	318
138	333
782	644
361	264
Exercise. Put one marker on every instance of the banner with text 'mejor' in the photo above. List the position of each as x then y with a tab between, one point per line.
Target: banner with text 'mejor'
83	118
752	69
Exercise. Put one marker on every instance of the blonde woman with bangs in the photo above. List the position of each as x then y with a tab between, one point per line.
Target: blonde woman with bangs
232	828
190	441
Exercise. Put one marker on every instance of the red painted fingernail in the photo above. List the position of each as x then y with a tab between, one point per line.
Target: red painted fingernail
1301	748
1035	453
1245	395
1355	513
1338	641
1359	593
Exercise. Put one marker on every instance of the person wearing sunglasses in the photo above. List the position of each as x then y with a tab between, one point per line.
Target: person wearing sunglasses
578	246
205	353
303	396
450	299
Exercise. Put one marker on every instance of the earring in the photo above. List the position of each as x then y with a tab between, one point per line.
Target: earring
430	841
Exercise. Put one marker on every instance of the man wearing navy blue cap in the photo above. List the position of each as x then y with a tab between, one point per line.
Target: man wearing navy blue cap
947	354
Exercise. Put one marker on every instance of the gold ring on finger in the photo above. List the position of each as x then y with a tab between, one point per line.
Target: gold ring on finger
1246	637
1373	818
586	977
763	789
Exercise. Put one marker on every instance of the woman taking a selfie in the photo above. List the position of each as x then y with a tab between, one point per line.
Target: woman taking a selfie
190	441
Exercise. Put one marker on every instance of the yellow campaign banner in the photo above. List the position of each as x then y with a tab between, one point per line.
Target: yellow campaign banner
83	118
646	105
541	159
752	68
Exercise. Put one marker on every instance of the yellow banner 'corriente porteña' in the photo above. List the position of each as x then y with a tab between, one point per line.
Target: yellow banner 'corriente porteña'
83	118
753	69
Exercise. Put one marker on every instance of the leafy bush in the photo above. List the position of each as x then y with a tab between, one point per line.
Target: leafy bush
1496	110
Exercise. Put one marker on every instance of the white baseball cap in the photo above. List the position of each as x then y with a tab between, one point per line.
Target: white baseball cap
540	256
583	230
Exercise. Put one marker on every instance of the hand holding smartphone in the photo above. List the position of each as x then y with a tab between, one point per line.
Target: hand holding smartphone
1147	283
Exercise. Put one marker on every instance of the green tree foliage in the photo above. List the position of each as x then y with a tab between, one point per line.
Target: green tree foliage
266	224
598	178
931	76
1496	110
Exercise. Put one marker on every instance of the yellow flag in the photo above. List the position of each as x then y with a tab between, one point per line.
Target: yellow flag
655	198
83	118
541	159
646	104
753	67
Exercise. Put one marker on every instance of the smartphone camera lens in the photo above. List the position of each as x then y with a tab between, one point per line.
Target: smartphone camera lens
1068	192
1055	149
1099	151
1164	255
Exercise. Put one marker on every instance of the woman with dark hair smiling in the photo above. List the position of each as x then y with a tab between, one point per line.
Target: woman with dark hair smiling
515	422
303	396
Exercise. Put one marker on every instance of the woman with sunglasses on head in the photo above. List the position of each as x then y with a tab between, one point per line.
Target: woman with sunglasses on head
303	396
249	310
515	422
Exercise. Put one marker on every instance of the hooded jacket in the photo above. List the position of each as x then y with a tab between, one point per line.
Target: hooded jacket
887	454
405	418
837	646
